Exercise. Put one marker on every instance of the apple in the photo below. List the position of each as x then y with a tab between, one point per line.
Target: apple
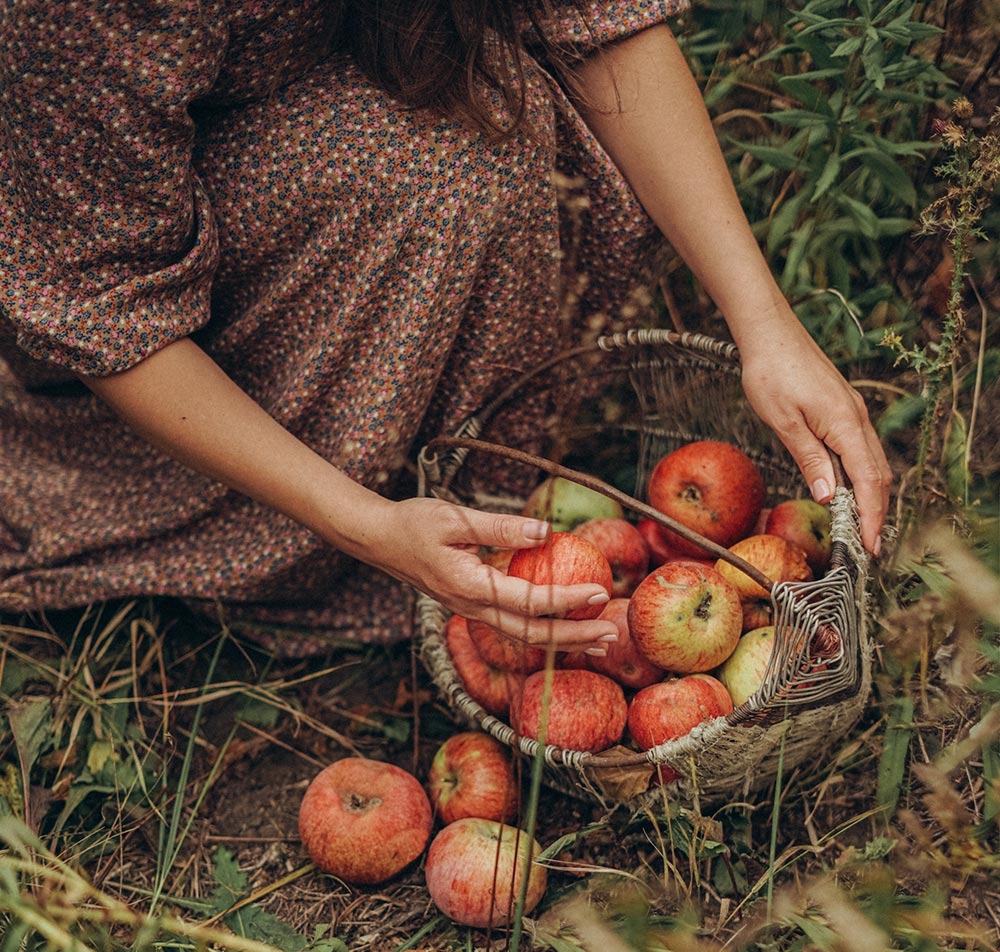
806	523
586	710
670	708
623	661
757	612
654	534
364	820
623	546
743	671
503	653
472	774
475	870
779	559
685	617
565	504
488	686
564	559
709	486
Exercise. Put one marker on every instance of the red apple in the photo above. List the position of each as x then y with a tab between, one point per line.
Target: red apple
743	671
778	559
709	486
475	869
503	653
669	709
586	710
654	534
806	523
488	686
472	774
364	820
565	504
757	612
623	546
564	559
720	691
623	661
685	617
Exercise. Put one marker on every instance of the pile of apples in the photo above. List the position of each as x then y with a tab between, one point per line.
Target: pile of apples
695	634
364	821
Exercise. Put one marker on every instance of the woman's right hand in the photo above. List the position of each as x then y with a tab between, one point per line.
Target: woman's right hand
434	546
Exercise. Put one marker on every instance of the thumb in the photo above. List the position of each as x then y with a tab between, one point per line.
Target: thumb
505	531
812	458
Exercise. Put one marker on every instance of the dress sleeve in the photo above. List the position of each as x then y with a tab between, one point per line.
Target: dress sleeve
591	23
107	243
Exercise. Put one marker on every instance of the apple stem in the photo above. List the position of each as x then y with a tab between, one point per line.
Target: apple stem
598	485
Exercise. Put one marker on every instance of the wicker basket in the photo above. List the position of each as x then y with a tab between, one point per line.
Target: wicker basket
667	389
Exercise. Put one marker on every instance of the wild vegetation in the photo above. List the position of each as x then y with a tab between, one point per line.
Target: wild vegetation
151	766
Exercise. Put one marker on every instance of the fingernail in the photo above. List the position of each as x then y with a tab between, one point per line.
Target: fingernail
601	598
606	638
596	652
877	548
821	490
535	530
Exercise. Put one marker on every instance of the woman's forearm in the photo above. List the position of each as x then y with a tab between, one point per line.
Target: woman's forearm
182	402
641	101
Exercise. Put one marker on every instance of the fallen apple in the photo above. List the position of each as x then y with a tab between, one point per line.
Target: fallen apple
364	820
565	504
685	617
709	486
586	710
475	870
472	774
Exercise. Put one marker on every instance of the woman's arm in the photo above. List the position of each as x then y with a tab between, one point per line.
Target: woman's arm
183	403
643	104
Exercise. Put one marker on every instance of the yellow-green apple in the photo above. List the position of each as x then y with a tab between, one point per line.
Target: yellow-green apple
565	504
743	671
586	710
364	820
685	617
623	662
623	546
475	870
564	559
472	774
779	559
709	486
488	686
670	709
503	653
806	523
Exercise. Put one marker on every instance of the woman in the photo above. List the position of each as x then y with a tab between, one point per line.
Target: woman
282	243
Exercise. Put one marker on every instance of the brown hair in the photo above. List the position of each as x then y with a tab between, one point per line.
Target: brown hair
453	56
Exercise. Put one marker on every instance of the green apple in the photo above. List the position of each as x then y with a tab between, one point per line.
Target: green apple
566	504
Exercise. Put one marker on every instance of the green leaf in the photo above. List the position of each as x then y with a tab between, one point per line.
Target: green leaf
31	724
776	158
831	169
900	414
848	47
892	763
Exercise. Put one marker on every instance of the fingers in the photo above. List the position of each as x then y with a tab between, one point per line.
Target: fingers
493	529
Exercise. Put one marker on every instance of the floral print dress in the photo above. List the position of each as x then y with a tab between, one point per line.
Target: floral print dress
369	274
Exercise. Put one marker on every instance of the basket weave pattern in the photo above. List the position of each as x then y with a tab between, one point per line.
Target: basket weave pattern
684	388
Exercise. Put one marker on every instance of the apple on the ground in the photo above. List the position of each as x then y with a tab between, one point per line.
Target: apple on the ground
565	504
475	869
806	523
472	774
364	820
623	546
709	486
623	661
685	617
586	710
564	559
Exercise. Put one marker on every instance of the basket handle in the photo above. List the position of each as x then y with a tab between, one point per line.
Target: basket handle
598	485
